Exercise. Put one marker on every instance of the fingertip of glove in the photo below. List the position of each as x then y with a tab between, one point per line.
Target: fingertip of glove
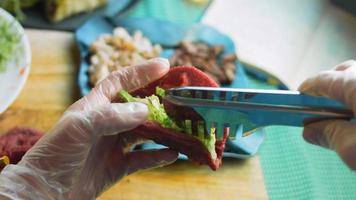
307	86
345	65
303	87
162	61
159	64
314	134
308	134
347	154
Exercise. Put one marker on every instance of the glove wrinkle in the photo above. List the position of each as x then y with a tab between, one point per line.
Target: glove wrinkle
91	146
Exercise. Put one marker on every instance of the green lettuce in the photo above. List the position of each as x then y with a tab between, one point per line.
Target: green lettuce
158	114
9	43
156	110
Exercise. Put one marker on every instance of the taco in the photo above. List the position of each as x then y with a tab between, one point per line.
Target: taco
164	125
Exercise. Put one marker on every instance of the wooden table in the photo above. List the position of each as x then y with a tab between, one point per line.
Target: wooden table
52	87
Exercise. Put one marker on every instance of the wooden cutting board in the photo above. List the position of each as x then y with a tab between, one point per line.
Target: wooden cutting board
52	87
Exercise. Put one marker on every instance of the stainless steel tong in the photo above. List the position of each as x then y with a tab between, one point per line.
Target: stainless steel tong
248	109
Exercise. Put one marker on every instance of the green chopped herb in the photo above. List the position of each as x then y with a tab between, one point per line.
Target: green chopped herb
13	6
160	92
16	6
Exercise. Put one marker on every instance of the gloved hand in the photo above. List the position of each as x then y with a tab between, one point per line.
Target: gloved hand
86	152
339	135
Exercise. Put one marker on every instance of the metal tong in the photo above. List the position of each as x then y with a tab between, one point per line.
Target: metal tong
249	109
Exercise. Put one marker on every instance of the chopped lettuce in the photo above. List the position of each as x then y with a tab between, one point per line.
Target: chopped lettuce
9	43
160	91
156	110
159	115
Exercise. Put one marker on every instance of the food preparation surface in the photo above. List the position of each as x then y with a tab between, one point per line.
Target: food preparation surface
52	87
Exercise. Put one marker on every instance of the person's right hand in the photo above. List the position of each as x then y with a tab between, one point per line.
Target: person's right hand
339	135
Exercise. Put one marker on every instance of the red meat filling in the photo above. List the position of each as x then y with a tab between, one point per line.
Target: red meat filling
17	141
188	145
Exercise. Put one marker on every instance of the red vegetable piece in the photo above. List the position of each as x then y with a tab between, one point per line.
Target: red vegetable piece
17	141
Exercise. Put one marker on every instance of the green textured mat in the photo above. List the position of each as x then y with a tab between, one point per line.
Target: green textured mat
295	170
292	168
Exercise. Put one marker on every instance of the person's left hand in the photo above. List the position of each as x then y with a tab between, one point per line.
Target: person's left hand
86	151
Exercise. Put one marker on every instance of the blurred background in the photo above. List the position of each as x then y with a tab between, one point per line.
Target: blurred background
278	45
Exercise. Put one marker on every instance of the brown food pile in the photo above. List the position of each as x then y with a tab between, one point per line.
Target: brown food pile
209	59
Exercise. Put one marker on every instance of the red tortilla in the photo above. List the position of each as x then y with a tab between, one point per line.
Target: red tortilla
181	142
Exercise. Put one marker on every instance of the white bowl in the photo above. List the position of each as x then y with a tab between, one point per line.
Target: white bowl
17	70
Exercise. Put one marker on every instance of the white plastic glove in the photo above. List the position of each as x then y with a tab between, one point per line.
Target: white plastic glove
339	135
85	152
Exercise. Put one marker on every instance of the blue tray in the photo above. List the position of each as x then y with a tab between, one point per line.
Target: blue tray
168	35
